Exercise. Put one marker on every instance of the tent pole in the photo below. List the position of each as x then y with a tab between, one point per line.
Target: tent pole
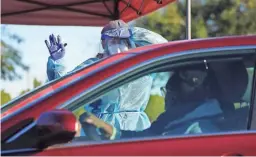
188	20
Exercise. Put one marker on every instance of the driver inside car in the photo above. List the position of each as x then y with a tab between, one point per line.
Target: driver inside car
194	101
122	107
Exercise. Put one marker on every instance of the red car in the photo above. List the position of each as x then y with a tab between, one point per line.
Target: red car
22	118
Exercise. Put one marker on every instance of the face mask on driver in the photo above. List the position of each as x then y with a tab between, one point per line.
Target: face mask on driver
185	86
192	79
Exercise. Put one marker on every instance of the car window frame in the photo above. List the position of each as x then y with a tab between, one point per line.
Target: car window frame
175	65
111	83
227	56
139	139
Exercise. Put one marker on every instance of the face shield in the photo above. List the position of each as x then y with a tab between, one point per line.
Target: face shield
113	45
116	41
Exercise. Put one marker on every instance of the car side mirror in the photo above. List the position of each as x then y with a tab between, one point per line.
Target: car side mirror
56	127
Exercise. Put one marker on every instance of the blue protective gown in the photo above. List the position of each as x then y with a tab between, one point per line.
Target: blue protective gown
122	107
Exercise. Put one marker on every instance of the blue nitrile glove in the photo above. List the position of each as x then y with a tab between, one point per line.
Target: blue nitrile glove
56	48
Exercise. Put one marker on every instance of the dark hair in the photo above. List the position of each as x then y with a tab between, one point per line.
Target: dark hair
176	92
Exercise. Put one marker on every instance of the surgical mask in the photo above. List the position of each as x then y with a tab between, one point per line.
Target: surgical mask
185	86
192	78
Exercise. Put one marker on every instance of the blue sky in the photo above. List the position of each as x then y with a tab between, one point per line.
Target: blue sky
83	43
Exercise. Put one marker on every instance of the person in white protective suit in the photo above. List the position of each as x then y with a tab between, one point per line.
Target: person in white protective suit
123	107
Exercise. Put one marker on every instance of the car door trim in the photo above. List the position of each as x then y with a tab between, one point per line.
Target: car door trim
154	138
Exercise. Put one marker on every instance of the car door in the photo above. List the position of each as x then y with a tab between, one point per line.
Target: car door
232	141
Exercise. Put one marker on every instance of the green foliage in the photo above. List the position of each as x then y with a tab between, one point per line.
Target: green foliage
168	23
36	83
11	58
5	97
24	91
247	94
209	18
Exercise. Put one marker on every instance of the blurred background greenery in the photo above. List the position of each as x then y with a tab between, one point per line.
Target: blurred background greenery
210	18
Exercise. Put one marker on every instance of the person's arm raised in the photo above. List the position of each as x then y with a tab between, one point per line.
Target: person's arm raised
55	67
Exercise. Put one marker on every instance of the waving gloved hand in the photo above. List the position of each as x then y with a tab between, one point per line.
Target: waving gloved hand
56	48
